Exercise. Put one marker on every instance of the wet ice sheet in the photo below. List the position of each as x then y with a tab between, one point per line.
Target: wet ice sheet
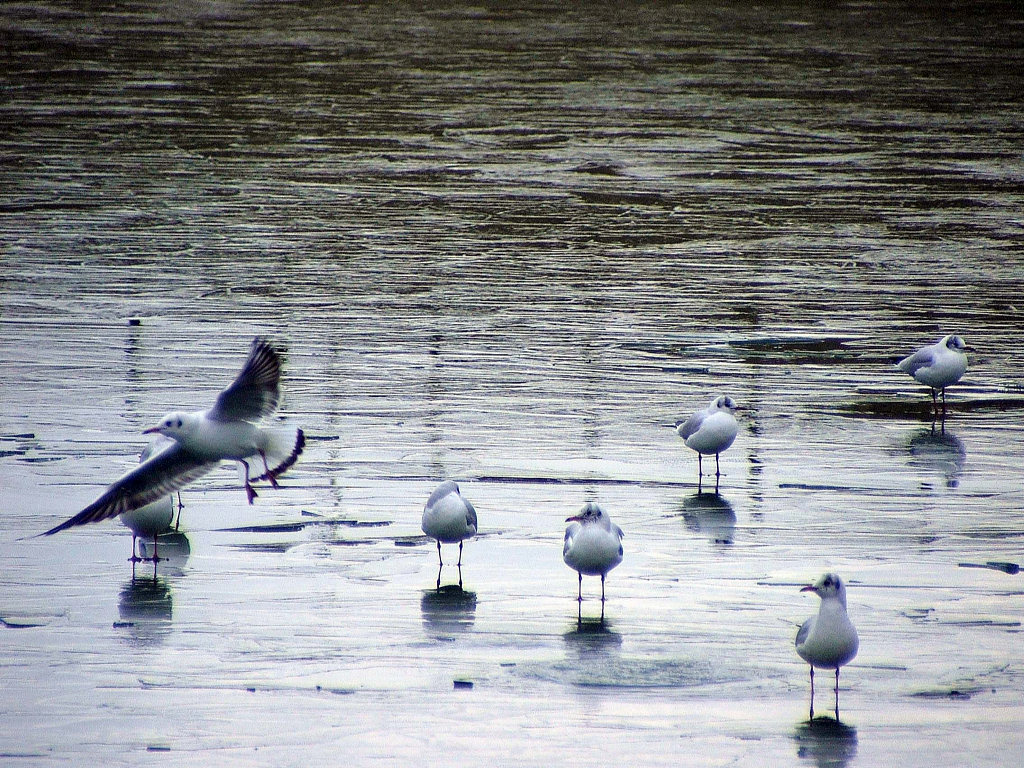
515	261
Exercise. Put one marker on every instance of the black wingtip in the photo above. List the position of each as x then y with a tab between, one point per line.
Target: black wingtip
62	527
264	346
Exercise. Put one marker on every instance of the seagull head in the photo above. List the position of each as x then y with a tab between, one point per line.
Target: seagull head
724	403
591	513
954	343
828	586
173	425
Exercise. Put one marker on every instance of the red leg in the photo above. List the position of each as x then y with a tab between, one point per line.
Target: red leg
837	693
250	492
270	475
812	693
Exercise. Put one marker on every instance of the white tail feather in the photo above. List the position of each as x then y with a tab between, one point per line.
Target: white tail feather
282	448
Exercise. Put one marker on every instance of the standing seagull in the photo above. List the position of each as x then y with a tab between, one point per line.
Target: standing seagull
205	438
593	546
449	518
710	431
828	640
937	366
156	517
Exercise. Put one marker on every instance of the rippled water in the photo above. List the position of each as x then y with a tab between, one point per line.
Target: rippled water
513	246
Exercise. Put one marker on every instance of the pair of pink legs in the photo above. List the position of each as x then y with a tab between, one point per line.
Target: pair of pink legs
812	693
155	558
700	472
250	492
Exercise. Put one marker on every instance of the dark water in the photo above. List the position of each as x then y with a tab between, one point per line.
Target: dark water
512	246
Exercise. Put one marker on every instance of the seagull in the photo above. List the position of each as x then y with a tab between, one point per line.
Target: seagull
593	545
710	431
156	517
205	438
449	518
937	366
828	640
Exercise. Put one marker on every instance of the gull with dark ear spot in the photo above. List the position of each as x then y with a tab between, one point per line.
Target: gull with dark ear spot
938	366
592	546
203	439
710	431
827	640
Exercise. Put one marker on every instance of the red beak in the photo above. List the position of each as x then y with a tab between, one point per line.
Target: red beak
808	588
573	519
151	430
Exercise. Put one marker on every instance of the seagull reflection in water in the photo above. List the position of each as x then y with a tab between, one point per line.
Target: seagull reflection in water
592	656
145	608
589	637
710	514
826	742
938	451
447	611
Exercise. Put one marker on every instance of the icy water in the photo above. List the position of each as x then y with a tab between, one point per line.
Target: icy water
511	246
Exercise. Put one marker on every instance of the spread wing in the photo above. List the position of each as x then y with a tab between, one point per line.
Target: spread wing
171	469
256	390
920	359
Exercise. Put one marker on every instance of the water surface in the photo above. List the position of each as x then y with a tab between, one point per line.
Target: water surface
512	247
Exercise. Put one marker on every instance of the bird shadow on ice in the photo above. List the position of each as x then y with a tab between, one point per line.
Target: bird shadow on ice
826	741
447	611
710	515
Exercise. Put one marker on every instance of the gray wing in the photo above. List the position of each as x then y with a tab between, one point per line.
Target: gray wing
169	470
691	425
470	515
804	631
920	359
569	533
442	490
256	391
618	532
158	444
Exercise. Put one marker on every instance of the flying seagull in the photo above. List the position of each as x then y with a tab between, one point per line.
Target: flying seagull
203	439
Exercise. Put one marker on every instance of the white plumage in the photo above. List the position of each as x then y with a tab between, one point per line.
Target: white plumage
448	517
156	517
592	545
829	639
203	439
710	431
937	366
